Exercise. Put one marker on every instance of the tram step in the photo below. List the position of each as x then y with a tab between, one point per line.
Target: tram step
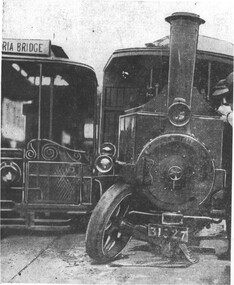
36	228
6	210
7	204
12	221
47	221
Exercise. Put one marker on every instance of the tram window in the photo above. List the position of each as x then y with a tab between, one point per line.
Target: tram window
70	105
18	92
66	111
88	129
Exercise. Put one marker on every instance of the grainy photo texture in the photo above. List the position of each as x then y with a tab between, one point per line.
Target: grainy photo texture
116	142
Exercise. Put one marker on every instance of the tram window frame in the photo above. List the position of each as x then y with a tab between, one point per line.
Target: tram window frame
41	82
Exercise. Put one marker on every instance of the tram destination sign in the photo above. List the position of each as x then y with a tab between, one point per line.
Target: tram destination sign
31	47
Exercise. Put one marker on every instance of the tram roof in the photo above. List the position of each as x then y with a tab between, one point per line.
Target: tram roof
57	54
207	46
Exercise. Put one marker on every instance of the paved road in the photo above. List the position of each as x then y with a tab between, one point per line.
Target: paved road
60	258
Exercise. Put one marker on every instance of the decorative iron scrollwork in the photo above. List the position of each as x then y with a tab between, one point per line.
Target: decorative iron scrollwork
46	150
31	153
75	156
49	152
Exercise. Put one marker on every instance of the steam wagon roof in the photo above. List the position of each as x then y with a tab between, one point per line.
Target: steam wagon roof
208	48
205	43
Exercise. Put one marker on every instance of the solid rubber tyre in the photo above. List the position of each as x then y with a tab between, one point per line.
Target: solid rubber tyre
104	242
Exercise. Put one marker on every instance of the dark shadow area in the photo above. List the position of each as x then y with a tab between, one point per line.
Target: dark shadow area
77	225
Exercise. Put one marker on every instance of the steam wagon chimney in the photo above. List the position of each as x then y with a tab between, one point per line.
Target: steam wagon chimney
183	45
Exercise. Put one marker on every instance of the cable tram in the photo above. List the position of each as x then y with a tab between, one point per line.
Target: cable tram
48	136
172	160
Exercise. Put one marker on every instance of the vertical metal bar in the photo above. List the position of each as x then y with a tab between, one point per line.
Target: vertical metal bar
39	105
156	89
81	185
51	108
95	123
151	77
101	118
39	114
209	81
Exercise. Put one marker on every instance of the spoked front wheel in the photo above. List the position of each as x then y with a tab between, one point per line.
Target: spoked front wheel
104	238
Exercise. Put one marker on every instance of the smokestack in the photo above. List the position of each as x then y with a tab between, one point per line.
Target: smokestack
183	45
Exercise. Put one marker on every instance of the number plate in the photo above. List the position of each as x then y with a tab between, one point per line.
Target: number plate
173	232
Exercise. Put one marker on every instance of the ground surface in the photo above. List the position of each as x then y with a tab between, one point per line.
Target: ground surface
28	257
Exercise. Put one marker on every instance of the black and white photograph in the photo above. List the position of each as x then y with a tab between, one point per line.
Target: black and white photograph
116	142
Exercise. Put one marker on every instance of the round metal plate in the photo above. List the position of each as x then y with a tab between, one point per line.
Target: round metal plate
177	170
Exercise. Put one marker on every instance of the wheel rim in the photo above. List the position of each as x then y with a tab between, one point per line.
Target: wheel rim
113	240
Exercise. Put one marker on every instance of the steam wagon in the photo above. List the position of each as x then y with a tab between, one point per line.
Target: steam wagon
161	137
